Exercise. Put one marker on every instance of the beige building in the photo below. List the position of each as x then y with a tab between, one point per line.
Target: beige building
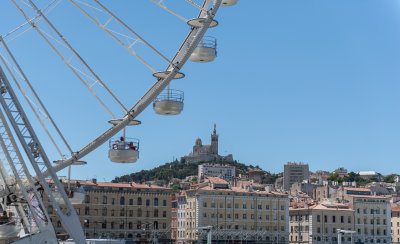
236	214
395	223
372	218
122	210
319	223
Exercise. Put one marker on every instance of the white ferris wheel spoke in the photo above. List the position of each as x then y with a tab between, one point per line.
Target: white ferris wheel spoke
36	105
111	17
161	4
62	41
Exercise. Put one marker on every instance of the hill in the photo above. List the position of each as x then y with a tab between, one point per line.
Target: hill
181	169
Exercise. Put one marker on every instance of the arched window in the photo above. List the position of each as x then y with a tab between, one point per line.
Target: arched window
155	201
139	201
122	201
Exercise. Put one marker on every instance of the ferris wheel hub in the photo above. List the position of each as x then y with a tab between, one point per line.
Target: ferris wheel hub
164	74
199	22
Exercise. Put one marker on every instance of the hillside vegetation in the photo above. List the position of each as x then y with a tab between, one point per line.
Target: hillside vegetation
181	169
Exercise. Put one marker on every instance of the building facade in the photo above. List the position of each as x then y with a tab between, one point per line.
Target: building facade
122	210
236	214
319	223
224	172
395	223
372	218
294	173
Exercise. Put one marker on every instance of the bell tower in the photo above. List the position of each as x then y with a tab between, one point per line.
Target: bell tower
214	141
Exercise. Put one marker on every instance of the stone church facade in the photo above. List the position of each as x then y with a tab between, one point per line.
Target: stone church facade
207	152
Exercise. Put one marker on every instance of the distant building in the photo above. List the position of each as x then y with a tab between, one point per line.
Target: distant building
341	171
368	174
294	173
225	172
203	153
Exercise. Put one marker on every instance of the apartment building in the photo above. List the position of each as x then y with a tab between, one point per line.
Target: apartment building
372	218
181	218
237	214
318	224
294	173
225	172
395	223
131	211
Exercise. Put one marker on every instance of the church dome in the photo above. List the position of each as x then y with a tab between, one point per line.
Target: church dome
198	142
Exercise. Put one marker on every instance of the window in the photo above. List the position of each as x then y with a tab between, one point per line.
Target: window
155	201
112	201
104	211
213	204
341	219
87	199
325	219
86	210
267	207
112	225
131	213
164	203
259	206
244	216
139	201
252	206
274	206
349	219
252	216
121	224
229	205
282	217
204	204
236	205
112	212
147	202
131	201
164	214
104	224
282	207
221	205
318	218
104	200
267	217
122	212
228	215
130	225
139	212
244	205
156	213
122	201
333	219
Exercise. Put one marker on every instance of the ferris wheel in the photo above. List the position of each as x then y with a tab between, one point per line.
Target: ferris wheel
26	171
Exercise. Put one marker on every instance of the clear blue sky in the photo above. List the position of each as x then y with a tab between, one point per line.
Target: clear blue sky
311	81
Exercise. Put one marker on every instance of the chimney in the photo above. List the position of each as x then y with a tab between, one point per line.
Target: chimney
94	181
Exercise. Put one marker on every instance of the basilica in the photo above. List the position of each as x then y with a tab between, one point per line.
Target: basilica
203	153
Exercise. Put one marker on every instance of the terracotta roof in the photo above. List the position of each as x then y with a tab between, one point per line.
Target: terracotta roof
216	180
107	184
395	207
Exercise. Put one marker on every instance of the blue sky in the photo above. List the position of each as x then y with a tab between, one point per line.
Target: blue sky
311	81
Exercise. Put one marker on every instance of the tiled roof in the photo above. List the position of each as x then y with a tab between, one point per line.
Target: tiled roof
370	196
216	180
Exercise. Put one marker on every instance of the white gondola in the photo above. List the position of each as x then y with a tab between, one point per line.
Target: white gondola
229	2
170	102
206	51
124	151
